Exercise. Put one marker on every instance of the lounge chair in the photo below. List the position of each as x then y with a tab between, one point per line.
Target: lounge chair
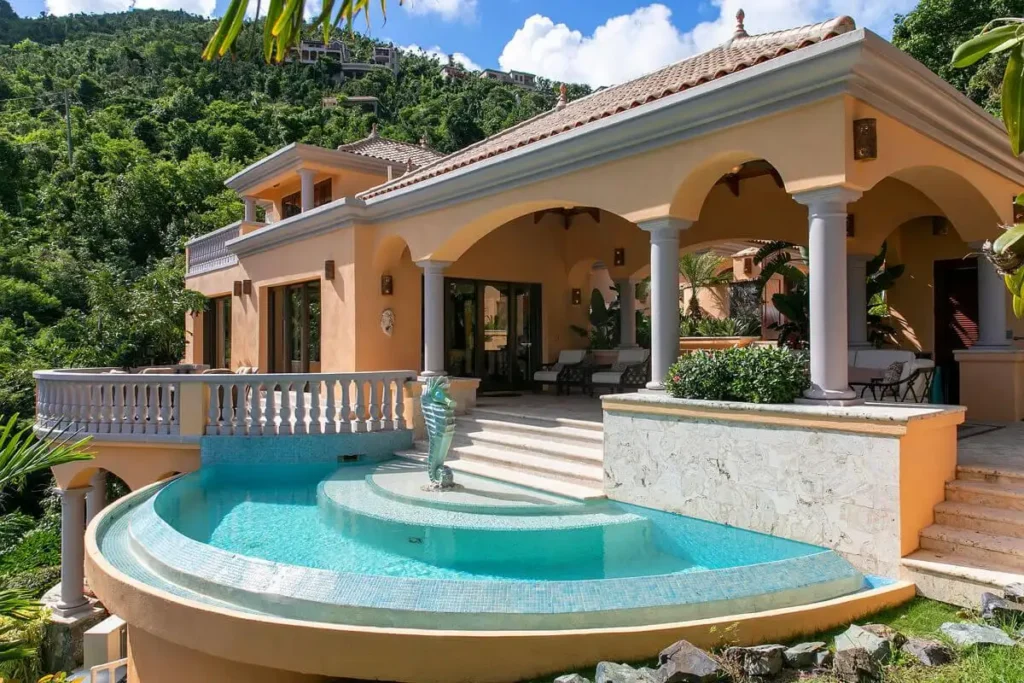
631	370
563	373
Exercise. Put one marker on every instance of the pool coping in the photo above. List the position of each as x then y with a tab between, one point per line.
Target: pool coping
438	656
292	591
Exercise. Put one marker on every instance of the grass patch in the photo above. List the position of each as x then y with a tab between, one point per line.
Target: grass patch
919	618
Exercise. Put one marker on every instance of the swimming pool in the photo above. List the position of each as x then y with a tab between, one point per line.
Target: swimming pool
364	544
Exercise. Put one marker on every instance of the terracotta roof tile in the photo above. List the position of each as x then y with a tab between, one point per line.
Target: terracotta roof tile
392	150
740	52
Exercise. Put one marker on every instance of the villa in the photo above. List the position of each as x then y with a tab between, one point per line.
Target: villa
358	273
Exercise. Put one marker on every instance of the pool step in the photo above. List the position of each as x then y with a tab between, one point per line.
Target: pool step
582	490
534	445
512	419
956	578
548	430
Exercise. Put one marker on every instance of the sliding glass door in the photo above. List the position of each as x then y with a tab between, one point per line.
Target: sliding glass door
492	331
217	332
294	329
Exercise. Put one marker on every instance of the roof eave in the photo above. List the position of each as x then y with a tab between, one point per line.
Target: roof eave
333	216
294	156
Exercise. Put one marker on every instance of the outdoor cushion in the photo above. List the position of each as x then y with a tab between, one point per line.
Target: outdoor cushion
546	376
572	356
881	359
893	372
608	377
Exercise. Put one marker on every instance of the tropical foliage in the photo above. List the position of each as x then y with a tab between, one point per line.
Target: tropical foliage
749	374
700	271
718	327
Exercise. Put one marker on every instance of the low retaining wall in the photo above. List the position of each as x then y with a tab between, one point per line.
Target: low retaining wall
862	480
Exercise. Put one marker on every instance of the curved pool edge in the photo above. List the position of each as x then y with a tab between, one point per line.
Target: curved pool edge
216	643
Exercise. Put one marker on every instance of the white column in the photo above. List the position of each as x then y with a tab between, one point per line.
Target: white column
826	211
991	305
627	313
664	295
96	499
306	176
857	299
433	316
72	551
250	209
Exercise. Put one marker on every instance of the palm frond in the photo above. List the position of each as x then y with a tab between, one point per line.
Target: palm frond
770	248
22	453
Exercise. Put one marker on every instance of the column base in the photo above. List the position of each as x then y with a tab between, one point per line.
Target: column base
67	611
431	373
830	397
655	386
838	402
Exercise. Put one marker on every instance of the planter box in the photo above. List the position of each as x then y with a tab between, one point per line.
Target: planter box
691	344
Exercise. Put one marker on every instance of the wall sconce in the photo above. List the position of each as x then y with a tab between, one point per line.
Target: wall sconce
237	288
577	297
940	226
851	226
865	139
620	257
247	287
748	266
328	270
387	285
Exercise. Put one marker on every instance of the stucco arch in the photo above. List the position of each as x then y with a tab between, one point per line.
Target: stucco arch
694	188
967	206
388	252
134	464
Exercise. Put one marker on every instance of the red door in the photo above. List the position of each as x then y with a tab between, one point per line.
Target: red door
956	318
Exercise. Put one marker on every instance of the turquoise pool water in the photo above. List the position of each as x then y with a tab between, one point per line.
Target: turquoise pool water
364	545
271	512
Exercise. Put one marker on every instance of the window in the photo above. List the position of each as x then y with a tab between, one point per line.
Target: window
322	193
291	205
217	332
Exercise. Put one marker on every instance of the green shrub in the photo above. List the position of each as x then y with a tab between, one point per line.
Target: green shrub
718	327
38	580
748	375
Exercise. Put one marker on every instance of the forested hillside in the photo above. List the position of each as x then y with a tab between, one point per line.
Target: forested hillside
91	246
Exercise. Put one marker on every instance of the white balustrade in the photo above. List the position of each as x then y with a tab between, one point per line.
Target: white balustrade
210	252
152	406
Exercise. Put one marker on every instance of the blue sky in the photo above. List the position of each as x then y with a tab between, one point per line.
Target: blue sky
599	42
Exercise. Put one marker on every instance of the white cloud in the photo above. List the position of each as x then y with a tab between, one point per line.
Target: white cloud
630	45
449	10
440	55
61	7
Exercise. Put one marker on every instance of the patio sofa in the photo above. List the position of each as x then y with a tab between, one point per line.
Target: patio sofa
565	372
891	375
631	370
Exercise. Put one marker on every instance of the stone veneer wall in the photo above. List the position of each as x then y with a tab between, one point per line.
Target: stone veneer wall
838	488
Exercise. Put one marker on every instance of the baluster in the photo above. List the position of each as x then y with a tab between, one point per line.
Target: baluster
330	421
41	405
400	403
359	420
76	406
131	408
345	418
387	410
285	426
374	409
314	408
175	397
300	408
269	427
117	424
152	408
254	408
92	401
213	424
228	409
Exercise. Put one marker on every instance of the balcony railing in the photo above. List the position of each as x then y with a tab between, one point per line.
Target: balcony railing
115	405
209	252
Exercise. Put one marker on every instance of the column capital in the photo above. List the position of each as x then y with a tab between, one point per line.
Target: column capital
668	226
71	494
307	172
431	267
827	200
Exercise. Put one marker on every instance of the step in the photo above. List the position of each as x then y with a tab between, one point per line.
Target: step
954	578
989	520
538	464
512	415
549	430
990	549
992	475
986	494
585	453
576	491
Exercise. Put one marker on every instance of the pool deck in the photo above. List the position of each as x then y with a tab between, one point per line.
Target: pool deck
575	407
996	445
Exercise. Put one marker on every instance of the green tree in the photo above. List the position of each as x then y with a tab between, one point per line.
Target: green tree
700	271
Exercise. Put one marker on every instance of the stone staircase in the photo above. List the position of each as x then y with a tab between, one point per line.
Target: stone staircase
553	454
977	541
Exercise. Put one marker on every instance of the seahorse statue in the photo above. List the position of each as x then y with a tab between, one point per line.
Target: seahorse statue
439	415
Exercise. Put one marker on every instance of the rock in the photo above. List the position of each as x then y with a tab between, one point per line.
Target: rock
1014	592
803	656
823	659
855	638
856	665
682	662
995	608
928	652
895	638
610	672
964	635
761	660
572	678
